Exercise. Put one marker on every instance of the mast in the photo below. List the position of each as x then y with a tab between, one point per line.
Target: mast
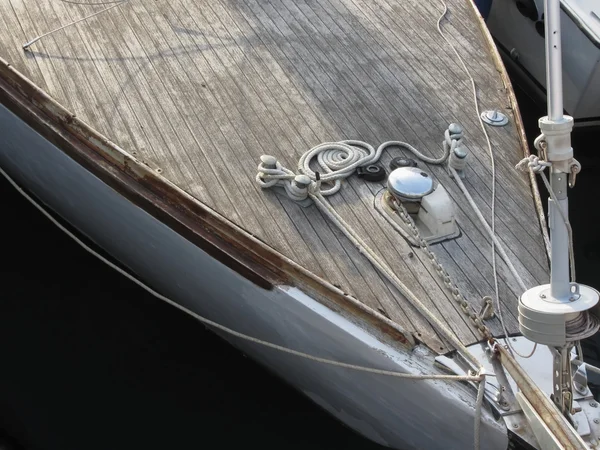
556	314
558	151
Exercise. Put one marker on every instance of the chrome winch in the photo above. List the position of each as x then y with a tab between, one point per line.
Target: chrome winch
412	190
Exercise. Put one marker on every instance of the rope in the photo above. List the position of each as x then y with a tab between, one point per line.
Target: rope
478	377
272	173
37	38
538	166
490	150
585	324
491	229
337	161
502	252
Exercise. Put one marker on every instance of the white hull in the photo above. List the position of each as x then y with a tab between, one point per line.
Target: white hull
523	50
398	413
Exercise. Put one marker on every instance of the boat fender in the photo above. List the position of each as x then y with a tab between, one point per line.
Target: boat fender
372	172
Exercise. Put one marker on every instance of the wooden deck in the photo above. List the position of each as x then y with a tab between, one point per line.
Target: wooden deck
199	90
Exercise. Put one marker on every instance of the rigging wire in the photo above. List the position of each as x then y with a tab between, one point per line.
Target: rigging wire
493	182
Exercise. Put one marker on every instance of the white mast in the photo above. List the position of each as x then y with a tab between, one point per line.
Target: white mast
558	150
548	313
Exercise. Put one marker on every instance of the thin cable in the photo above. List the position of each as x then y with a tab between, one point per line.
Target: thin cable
271	173
37	38
493	169
91	3
478	406
565	219
475	378
585	324
502	252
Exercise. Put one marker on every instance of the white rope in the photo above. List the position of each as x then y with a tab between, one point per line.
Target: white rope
498	244
491	229
475	378
500	249
37	38
336	161
582	327
538	166
492	161
565	220
272	173
585	324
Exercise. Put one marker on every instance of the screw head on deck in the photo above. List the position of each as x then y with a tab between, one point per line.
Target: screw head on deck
494	118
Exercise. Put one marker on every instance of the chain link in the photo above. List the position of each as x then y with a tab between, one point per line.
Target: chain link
444	276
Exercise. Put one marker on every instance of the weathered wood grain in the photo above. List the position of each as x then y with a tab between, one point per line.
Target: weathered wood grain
199	90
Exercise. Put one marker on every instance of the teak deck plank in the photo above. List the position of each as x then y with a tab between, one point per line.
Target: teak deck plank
200	90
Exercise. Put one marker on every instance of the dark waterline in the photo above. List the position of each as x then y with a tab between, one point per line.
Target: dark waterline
90	361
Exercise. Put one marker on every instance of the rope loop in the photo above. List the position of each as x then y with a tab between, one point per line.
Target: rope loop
533	163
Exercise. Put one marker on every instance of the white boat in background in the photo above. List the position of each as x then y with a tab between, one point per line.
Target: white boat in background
518	29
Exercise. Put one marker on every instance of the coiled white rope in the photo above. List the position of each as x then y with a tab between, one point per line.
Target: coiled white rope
337	161
478	377
582	327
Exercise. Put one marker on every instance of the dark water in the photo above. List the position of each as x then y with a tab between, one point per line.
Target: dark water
90	361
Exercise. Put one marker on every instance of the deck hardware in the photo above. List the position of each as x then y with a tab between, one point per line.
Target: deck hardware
494	118
410	184
499	397
302	181
487	308
558	314
580	380
372	172
458	159
400	161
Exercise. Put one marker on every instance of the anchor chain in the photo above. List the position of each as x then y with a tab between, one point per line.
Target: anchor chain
443	274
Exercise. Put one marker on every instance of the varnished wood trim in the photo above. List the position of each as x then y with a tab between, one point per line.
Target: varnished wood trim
205	228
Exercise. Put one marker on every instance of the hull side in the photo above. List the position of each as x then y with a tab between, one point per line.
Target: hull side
524	50
389	411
